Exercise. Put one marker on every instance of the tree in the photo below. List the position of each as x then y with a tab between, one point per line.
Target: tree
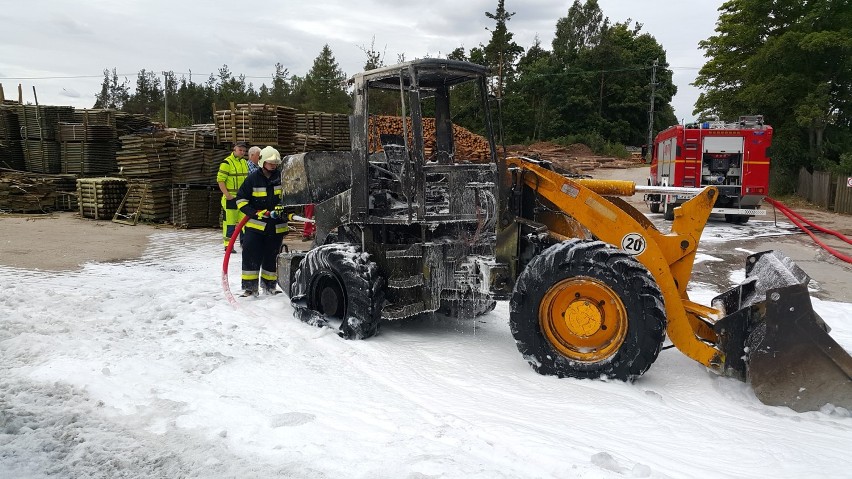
323	85
113	94
280	92
374	58
790	61
147	99
581	29
501	52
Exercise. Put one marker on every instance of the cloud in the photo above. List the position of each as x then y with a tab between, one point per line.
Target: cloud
162	35
70	93
71	26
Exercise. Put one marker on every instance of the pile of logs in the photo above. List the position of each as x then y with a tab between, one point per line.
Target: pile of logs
195	207
576	159
469	147
29	193
99	198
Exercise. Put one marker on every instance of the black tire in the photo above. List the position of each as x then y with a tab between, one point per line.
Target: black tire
668	215
338	281
654	207
578	274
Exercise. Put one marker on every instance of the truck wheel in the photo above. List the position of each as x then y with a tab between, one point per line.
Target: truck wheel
337	281
585	309
668	215
654	207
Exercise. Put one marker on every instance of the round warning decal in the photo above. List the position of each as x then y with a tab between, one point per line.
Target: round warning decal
634	244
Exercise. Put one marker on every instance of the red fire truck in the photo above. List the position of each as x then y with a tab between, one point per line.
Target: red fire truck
734	157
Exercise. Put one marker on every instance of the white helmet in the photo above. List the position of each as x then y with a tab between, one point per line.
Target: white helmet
271	155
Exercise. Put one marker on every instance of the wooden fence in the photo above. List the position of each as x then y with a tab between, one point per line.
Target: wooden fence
827	190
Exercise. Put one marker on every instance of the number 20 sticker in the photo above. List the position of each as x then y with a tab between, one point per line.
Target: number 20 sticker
634	244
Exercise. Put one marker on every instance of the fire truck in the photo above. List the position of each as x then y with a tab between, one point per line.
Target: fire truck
734	157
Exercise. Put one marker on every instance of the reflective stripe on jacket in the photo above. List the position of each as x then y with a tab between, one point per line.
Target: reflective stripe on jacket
259	193
233	172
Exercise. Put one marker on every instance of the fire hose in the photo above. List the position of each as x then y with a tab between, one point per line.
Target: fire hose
800	222
226	287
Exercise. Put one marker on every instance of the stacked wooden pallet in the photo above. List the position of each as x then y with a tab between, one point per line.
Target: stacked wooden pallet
469	147
42	156
196	136
309	143
148	199
197	166
66	192
333	128
42	121
26	193
191	207
131	123
254	123
40	130
99	198
286	126
11	150
148	155
87	148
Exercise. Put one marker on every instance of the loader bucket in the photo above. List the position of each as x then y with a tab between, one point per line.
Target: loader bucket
772	338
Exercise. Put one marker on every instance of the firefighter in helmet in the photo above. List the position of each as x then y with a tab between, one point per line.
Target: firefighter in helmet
259	199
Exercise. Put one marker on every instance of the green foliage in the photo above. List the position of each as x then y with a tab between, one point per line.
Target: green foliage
596	142
596	79
594	86
113	94
790	61
501	52
323	85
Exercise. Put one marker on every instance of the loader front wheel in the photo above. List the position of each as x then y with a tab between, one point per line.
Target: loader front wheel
337	281
585	309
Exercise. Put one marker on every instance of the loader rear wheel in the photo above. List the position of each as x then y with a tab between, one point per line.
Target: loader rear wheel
338	281
585	309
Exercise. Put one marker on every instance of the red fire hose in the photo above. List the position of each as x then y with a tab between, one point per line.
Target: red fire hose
798	220
225	284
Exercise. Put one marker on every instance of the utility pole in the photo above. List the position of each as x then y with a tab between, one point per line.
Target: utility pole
650	146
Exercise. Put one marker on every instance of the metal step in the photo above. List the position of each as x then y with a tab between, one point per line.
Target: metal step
393	311
406	282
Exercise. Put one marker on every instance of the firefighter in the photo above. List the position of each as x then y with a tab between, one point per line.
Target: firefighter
259	199
232	173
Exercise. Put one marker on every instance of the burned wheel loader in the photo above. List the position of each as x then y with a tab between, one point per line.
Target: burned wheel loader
410	222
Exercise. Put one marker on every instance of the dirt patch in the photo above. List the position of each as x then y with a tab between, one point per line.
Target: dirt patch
65	242
575	159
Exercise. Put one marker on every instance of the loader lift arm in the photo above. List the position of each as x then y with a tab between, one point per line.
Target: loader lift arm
668	257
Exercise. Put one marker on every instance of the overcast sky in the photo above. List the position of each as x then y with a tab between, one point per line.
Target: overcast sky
62	47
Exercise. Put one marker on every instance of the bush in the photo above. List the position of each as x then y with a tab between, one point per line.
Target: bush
596	142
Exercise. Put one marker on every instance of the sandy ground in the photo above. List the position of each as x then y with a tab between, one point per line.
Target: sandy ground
63	241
